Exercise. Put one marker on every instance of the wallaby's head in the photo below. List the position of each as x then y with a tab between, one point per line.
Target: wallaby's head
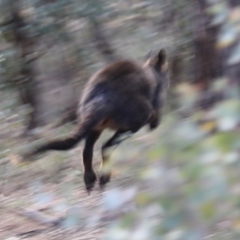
157	60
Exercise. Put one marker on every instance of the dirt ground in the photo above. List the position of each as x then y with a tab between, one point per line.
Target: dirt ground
54	187
61	187
14	225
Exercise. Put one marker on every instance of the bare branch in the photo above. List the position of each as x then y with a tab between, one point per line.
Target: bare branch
102	42
40	217
42	53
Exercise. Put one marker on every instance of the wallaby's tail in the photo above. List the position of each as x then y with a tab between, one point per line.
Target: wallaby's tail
85	126
97	112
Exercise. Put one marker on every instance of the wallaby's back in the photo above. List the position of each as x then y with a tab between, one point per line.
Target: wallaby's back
119	78
124	90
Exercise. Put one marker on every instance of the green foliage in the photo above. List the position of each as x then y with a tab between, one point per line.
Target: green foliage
194	175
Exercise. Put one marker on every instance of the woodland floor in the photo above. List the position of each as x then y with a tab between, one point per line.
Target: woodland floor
43	186
17	193
53	186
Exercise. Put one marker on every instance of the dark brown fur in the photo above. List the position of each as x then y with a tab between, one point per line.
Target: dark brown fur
124	96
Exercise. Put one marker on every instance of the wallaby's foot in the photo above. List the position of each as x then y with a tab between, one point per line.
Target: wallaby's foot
104	179
89	179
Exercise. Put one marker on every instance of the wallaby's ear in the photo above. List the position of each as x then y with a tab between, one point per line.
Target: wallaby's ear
162	59
162	56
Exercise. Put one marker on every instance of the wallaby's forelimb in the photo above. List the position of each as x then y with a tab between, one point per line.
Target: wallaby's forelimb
113	141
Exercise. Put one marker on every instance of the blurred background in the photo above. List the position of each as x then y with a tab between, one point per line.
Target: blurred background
180	182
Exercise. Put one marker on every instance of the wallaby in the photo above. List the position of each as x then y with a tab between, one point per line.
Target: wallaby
124	96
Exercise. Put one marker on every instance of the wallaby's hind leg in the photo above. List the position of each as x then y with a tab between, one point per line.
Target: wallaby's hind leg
113	141
89	174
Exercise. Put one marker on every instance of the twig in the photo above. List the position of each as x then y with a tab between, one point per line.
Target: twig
42	53
40	217
31	233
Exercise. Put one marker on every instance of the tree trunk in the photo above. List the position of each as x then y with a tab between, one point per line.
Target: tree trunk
212	62
232	68
207	60
102	43
29	95
25	82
